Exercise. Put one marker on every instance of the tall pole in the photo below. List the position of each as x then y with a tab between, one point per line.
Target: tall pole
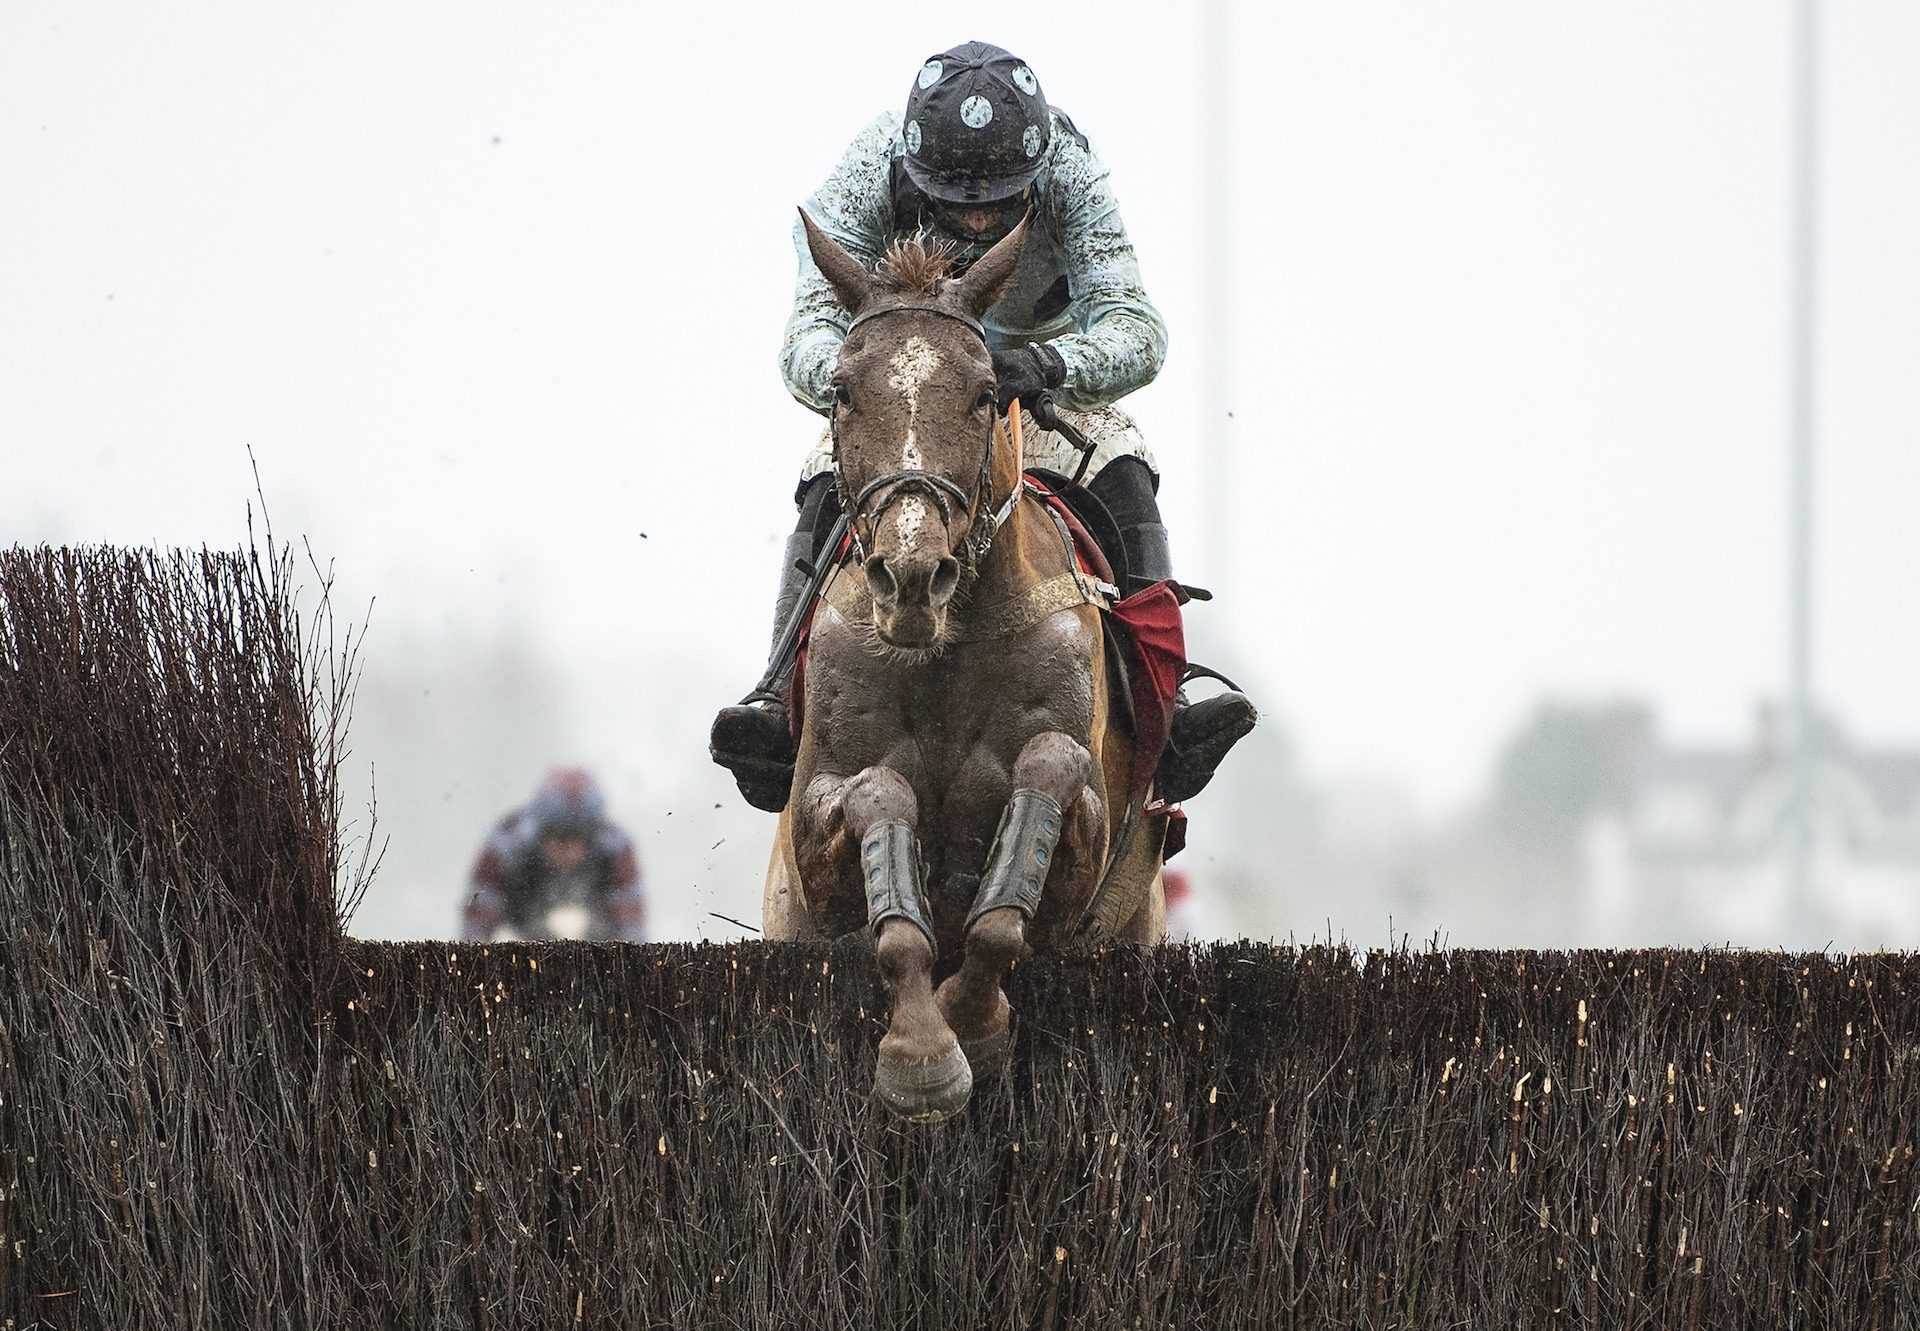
1800	718
1214	440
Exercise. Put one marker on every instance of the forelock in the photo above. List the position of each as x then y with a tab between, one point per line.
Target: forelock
916	266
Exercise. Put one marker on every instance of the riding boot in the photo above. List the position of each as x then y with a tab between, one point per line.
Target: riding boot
1202	732
753	739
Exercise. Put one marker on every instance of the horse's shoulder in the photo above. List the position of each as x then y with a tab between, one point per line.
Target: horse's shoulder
1076	627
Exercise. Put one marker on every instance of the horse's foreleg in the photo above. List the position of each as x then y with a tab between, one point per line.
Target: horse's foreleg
1050	774
921	1072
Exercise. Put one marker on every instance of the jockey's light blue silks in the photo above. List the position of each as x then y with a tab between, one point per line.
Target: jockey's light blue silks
1077	287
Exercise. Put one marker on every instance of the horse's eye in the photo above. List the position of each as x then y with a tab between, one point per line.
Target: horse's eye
841	395
986	399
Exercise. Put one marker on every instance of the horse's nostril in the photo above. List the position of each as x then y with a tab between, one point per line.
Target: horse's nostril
880	582
946	577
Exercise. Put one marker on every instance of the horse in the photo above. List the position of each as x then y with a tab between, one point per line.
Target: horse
962	782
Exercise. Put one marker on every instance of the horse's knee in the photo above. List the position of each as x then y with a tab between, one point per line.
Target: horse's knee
874	795
1055	763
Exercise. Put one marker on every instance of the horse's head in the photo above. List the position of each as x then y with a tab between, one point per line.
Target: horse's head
914	423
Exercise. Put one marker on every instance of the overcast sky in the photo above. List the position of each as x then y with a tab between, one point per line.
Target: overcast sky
493	291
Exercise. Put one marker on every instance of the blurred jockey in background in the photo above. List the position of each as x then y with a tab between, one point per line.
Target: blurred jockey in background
557	869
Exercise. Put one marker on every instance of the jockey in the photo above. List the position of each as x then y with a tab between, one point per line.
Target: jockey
558	850
977	149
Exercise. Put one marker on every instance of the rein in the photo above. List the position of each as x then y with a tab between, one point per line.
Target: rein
893	484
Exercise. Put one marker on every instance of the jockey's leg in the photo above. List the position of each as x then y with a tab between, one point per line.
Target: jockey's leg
1050	777
1127	486
1203	732
752	738
920	1072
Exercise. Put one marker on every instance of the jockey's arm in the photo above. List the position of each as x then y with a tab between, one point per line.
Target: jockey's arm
854	207
1121	340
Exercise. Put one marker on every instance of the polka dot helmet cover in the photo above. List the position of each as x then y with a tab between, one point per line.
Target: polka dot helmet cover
976	126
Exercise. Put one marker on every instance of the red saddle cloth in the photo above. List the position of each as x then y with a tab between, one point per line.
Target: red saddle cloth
1154	637
1151	634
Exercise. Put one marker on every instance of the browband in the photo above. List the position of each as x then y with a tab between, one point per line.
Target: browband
923	307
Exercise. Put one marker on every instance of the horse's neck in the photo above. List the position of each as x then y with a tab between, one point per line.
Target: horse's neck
1025	552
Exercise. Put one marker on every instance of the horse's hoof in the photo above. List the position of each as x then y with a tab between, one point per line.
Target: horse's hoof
987	1056
924	1090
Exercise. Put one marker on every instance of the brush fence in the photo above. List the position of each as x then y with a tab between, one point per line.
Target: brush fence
217	1112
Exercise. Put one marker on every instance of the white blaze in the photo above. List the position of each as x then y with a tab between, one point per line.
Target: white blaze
908	521
912	366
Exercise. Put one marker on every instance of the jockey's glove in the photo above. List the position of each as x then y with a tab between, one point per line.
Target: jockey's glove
1026	372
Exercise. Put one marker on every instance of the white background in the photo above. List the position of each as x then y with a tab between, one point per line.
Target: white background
492	291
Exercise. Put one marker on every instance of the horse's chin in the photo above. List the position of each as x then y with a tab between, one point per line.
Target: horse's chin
914	635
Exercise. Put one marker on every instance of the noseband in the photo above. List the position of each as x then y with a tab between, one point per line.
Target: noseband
891	485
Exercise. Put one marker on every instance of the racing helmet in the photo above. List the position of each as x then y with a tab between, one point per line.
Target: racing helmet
567	803
976	126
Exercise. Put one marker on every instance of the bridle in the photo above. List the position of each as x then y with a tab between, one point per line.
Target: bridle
893	484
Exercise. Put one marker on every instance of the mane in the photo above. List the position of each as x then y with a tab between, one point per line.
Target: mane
915	266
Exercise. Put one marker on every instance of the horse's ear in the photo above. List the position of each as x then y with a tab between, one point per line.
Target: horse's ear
987	279
850	281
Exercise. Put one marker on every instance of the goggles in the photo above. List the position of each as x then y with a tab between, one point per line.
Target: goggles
1003	215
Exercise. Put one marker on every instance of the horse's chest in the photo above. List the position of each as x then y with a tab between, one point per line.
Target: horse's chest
962	717
940	717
